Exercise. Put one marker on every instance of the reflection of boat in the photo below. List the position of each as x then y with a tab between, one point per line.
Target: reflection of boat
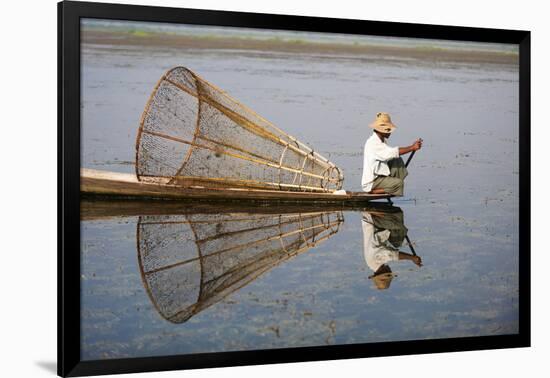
190	262
96	209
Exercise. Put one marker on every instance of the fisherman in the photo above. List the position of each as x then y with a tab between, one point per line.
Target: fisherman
384	171
383	234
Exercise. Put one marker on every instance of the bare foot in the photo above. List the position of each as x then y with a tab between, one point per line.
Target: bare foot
377	191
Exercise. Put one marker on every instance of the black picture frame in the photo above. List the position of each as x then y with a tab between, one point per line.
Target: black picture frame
69	14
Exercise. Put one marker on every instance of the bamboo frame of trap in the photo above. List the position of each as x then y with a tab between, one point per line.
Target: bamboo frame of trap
330	180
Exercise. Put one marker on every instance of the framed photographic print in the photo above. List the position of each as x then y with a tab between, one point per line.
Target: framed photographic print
240	188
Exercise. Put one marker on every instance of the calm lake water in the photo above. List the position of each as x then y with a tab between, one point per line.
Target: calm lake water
184	281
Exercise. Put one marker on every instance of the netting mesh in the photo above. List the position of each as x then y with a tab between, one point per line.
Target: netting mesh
189	262
194	134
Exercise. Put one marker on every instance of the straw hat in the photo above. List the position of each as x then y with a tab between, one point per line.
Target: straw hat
382	277
383	123
383	281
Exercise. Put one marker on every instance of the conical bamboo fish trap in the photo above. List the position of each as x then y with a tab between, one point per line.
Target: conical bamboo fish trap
190	262
194	134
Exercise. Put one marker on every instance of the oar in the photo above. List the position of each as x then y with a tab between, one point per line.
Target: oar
407	236
406	165
409	159
410	244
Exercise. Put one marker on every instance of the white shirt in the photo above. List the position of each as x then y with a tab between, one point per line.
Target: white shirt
375	245
375	163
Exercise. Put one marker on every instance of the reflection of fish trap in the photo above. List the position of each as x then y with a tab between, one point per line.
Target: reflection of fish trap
189	262
194	134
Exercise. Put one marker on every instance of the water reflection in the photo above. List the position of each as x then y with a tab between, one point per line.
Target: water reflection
193	256
192	261
384	232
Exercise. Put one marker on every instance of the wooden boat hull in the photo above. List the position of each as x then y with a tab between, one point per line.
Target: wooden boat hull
124	185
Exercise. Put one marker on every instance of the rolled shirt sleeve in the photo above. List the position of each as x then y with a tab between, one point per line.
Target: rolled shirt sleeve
384	255
385	152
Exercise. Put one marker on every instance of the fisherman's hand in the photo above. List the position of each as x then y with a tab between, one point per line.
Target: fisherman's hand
417	144
417	260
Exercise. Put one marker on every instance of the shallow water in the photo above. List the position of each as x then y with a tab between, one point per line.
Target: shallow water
460	205
142	279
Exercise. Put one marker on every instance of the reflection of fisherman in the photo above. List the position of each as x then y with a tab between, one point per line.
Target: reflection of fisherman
383	170
383	234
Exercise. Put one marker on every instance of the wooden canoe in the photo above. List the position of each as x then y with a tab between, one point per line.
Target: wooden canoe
125	185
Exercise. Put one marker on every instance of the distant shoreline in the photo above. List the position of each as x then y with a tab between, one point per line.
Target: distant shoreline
123	38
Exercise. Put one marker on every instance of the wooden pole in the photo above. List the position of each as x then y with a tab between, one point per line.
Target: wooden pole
410	244
409	159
